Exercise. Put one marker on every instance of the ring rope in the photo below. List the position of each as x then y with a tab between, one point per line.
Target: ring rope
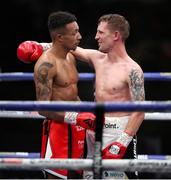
130	165
33	155
159	157
130	108
34	115
147	106
21	115
21	76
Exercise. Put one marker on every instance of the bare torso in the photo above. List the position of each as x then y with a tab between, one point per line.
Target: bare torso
65	82
118	79
64	77
112	81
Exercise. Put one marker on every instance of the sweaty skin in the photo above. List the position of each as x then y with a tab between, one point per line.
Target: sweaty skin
118	77
56	79
55	72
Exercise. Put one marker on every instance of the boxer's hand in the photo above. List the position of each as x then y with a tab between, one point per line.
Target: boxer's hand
29	51
84	119
116	150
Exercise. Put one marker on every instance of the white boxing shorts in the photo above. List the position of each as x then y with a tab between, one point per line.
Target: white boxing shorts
112	129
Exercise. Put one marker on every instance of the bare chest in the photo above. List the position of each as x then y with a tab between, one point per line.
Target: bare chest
111	82
66	75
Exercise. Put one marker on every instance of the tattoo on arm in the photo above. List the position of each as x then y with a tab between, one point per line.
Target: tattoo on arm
137	85
43	85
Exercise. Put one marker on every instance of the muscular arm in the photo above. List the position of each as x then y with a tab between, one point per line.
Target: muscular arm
82	54
136	86
86	55
43	75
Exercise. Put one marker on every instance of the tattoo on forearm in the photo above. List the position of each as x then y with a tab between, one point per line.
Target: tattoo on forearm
43	85
137	85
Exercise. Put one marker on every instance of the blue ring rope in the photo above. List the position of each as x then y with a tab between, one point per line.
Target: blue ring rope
33	155
19	155
147	106
20	76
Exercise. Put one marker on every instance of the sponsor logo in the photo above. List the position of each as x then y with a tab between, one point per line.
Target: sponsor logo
111	125
89	122
114	174
80	142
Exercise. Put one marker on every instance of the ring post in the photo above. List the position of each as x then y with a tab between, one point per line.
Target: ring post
97	163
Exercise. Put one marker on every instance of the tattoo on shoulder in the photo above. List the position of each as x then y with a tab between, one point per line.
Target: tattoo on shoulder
43	72
137	85
43	85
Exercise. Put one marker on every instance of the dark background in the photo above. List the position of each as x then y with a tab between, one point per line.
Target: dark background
149	44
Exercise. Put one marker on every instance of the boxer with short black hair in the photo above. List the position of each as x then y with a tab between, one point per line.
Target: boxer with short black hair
56	78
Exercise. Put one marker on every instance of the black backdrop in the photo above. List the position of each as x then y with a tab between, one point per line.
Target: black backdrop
149	44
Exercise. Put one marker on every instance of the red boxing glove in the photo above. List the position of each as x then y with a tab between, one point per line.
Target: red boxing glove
116	150
29	51
84	119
